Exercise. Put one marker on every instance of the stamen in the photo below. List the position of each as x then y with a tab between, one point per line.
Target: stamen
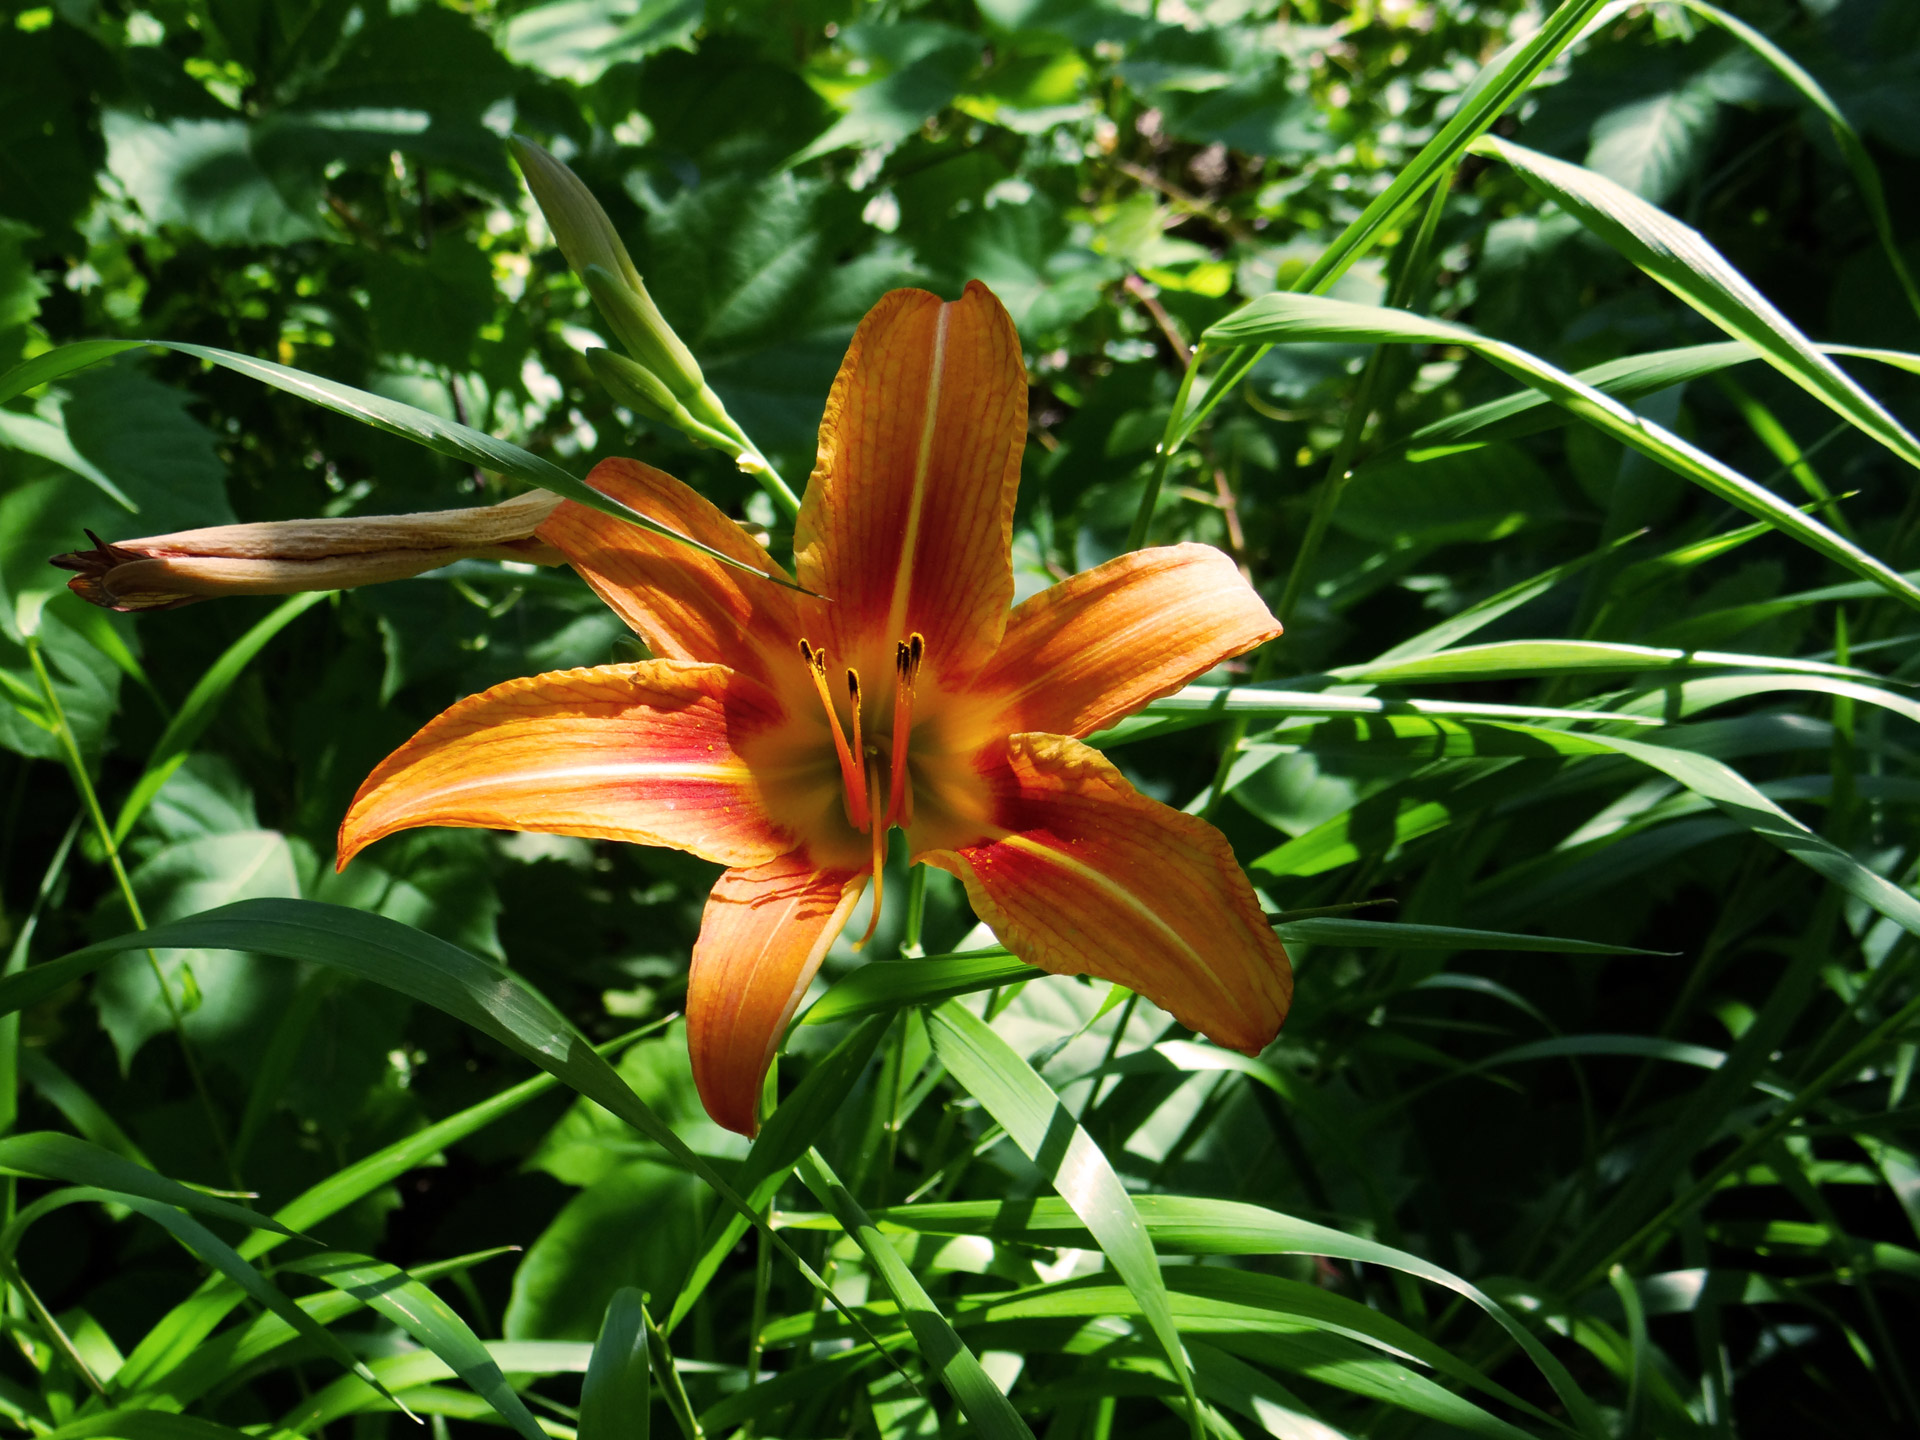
852	773
879	863
906	667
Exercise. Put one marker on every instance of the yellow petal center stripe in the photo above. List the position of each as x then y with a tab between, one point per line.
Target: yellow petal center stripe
1122	899
922	466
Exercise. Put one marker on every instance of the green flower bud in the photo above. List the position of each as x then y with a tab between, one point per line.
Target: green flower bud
643	392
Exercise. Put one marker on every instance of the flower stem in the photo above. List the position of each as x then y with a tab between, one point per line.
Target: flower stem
77	766
1143	517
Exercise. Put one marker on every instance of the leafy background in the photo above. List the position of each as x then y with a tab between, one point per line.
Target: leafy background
1677	1141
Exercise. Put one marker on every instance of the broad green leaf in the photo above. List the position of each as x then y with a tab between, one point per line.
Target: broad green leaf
1045	1130
616	1396
1277	318
945	1353
1680	258
445	437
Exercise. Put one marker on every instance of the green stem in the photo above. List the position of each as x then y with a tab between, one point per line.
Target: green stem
77	766
1340	466
667	1375
910	946
1169	442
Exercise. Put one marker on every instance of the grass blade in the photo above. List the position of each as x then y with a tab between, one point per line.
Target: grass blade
409	422
616	1396
1045	1130
991	1413
1679	257
1280	318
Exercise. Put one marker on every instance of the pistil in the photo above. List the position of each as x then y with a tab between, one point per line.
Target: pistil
906	670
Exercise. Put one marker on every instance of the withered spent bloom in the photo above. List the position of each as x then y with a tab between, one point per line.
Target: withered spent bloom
285	557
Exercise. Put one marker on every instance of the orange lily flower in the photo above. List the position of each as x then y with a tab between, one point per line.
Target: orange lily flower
785	735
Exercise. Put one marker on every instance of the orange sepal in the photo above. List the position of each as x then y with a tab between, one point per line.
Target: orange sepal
908	518
686	605
1097	647
644	753
1083	875
761	940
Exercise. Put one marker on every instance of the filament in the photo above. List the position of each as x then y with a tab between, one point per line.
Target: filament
852	774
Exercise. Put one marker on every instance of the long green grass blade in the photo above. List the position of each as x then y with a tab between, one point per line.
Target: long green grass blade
1280	318
1680	258
409	422
616	1396
945	1353
427	1318
1045	1130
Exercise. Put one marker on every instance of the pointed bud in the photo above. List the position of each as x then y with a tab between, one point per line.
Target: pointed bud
585	235
644	331
642	391
285	557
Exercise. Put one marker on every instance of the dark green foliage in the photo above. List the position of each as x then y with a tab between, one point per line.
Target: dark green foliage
1584	800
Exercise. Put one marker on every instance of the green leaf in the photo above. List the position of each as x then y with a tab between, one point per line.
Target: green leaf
1278	318
488	997
1490	95
1853	149
579	40
883	986
53	1156
1330	930
1045	1130
445	437
945	1353
1193	1226
196	712
409	1304
795	1124
615	1398
1680	258
1506	659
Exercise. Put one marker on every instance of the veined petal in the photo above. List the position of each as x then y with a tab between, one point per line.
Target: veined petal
761	940
1083	875
907	523
1096	647
646	753
686	605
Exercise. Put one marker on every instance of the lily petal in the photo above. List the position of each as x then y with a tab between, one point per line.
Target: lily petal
686	605
761	940
1085	875
646	753
1096	647
908	519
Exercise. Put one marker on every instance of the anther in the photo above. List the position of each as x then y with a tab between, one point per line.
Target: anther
852	773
